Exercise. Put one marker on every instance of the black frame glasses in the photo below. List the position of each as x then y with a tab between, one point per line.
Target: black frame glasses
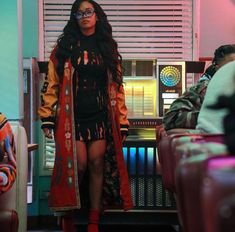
82	14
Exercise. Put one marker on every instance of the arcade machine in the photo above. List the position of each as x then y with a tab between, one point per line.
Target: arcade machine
150	87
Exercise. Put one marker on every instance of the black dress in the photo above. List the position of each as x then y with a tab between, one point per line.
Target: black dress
90	91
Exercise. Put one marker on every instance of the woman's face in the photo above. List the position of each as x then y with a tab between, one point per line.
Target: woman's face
86	18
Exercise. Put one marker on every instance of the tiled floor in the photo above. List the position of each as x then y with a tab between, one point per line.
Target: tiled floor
122	228
141	222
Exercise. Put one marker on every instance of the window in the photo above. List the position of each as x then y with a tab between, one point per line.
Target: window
161	29
145	30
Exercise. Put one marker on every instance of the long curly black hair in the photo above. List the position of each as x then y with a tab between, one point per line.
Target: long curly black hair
219	54
106	44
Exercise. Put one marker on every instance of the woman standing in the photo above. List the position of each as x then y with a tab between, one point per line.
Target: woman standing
83	102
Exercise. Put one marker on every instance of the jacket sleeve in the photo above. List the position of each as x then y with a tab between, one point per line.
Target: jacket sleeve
124	123
49	97
184	111
7	155
182	114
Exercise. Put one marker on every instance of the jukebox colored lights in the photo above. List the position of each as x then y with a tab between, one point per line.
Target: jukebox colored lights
170	76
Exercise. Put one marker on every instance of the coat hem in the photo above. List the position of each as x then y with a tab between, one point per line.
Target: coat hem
67	208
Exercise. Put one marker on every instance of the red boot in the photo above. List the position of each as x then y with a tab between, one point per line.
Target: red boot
68	224
93	221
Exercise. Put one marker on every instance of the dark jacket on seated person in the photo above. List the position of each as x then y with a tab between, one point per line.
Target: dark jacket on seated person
183	112
7	155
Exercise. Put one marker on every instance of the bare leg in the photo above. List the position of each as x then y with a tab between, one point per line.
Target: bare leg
82	159
96	151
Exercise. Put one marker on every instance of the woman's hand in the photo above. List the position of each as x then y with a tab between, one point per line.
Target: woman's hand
48	133
124	138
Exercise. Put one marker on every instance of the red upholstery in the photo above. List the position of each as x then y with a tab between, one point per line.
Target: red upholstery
8	221
167	143
226	214
188	183
167	161
190	158
165	157
219	183
166	149
182	155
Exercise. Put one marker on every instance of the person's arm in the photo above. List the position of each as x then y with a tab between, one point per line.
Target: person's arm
184	111
181	115
124	123
49	98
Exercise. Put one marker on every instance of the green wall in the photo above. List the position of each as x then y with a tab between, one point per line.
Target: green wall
30	49
10	59
30	28
18	38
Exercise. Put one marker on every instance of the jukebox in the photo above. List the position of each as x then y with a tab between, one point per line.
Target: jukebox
148	93
150	87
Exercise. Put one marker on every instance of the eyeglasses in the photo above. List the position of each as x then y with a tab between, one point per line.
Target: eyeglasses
87	13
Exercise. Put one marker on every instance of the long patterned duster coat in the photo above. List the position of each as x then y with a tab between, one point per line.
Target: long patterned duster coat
57	112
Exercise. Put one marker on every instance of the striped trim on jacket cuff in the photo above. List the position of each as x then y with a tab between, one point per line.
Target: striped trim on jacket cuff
124	130
48	123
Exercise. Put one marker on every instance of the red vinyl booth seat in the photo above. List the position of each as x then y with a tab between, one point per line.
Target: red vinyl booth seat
9	221
188	183
226	214
167	141
181	156
218	184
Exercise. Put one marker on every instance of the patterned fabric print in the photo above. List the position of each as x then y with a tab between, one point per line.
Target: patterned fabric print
64	192
111	188
7	156
91	132
90	93
184	111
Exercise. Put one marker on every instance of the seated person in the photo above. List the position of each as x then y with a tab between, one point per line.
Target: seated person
228	102
223	83
7	155
184	111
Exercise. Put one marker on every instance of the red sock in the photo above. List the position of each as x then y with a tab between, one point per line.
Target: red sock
93	221
68	224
